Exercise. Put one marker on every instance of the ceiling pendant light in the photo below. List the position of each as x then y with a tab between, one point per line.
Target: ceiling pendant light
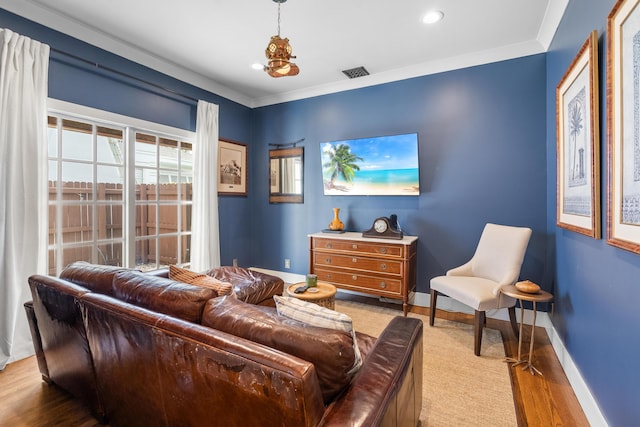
278	52
433	16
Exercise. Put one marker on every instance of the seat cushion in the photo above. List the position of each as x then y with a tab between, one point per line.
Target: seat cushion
162	295
96	278
477	293
330	351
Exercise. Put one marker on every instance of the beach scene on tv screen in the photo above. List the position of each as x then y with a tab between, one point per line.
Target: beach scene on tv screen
382	165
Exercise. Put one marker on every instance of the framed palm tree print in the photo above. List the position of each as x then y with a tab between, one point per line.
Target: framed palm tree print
623	130
578	143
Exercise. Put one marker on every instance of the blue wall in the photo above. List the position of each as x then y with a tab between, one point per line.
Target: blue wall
487	153
596	288
74	81
482	159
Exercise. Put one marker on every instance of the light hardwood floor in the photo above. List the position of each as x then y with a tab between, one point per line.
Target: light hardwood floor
26	401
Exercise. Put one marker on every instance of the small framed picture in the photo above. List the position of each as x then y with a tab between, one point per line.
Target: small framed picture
623	130
578	143
232	168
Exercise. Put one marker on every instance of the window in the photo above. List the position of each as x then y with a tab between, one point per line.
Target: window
119	190
163	176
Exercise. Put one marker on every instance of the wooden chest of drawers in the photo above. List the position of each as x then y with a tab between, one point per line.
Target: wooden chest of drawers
382	267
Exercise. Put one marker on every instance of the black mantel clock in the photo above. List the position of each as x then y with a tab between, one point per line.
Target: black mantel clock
385	228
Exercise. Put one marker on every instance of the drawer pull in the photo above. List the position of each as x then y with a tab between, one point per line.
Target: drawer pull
383	285
383	266
329	276
354	277
327	260
383	250
328	246
354	259
354	246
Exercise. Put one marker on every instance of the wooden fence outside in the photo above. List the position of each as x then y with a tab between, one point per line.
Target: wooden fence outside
77	223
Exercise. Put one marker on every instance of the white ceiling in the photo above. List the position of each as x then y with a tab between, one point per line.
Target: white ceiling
212	43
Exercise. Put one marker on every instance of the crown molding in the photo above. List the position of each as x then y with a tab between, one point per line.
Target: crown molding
33	11
552	17
30	9
423	69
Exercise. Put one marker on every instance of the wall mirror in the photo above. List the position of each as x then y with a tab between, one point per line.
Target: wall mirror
286	167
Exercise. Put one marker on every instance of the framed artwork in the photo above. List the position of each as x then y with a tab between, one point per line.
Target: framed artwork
578	143
623	131
232	168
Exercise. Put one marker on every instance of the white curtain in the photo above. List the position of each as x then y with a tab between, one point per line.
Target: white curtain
205	235
24	65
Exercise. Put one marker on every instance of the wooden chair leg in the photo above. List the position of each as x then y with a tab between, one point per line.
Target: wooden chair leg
432	307
514	322
478	325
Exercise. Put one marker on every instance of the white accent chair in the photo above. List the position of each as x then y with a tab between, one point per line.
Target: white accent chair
496	263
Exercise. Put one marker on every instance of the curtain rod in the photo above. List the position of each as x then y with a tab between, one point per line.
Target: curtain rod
288	144
113	70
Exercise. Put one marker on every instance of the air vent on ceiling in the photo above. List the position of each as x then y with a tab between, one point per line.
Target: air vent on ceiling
356	72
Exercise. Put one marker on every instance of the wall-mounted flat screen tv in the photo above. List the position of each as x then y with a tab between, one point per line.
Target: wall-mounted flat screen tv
379	166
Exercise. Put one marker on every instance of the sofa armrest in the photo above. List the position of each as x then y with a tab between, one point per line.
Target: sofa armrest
37	341
63	338
387	391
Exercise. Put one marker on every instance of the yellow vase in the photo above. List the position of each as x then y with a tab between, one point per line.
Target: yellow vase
336	224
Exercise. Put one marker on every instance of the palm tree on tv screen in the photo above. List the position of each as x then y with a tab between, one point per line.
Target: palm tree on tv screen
342	163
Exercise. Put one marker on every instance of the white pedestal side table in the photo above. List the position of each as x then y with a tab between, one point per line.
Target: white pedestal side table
540	296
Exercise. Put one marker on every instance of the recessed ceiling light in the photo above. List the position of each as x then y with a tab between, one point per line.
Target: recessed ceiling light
433	17
257	66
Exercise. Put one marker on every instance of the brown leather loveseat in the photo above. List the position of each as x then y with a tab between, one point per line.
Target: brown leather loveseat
137	349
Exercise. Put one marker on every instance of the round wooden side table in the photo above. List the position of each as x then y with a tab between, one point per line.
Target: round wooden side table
325	296
540	296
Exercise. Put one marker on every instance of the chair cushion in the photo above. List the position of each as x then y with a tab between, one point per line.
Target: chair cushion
199	279
330	351
476	292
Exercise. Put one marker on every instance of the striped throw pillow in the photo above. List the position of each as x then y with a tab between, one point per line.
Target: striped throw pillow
322	317
198	279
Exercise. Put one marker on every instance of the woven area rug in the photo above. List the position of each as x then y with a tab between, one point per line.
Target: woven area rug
459	388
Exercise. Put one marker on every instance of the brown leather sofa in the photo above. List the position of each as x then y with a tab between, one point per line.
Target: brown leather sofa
137	350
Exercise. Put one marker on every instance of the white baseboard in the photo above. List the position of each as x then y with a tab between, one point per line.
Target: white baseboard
421	299
580	388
